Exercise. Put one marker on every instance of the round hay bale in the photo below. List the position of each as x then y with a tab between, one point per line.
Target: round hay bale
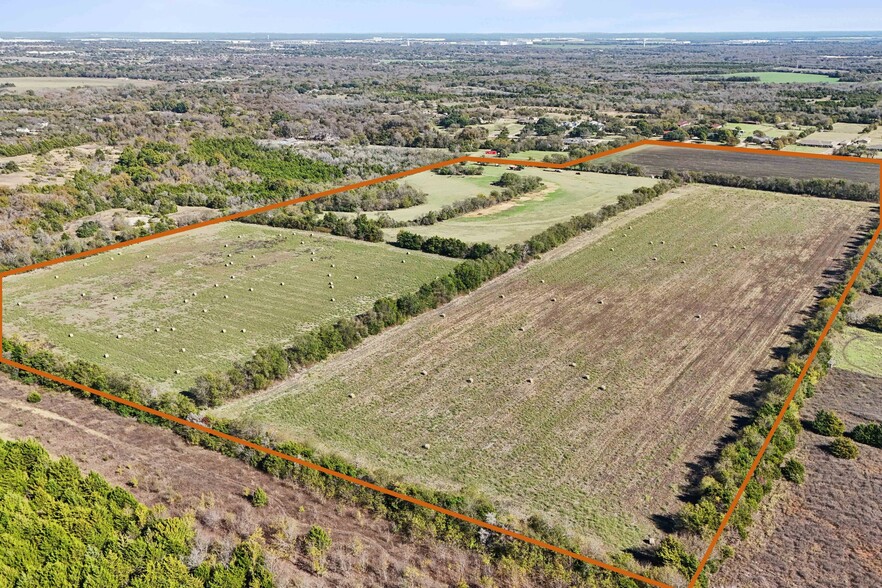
243	330
554	299
56	277
650	242
226	295
630	227
119	336
172	328
356	277
251	289
333	300
716	244
313	259
281	283
470	380
541	281
332	286
697	316
216	285
70	334
233	277
502	295
529	380
18	303
156	329
177	371
329	275
183	350
303	242
253	257
600	301
572	364
82	295
225	245
229	255
204	310
655	259
612	249
662	242
682	261
332	265
426	446
402	261
734	247
586	377
442	315
424	373
522	329
106	355
223	330
351	395
193	294
146	257
408	253
602	387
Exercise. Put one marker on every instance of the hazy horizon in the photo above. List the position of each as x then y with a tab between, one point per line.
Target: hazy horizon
492	17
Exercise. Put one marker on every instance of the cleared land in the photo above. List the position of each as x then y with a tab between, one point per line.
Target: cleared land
784	77
54	167
655	159
567	194
858	350
113	303
62	83
184	479
605	454
828	531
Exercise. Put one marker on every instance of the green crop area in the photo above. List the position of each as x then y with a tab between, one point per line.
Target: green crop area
858	350
567	193
196	285
784	77
581	387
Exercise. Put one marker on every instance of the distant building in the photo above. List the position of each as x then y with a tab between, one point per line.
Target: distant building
825	143
491	153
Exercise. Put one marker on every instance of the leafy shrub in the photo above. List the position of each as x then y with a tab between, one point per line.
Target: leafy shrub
34	397
828	424
793	471
869	434
844	448
317	543
87	229
259	498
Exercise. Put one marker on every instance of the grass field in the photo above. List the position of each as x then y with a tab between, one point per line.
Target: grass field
601	455
858	350
62	83
783	77
654	160
768	130
123	293
566	194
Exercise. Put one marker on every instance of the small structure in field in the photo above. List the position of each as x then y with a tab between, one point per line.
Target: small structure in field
470	380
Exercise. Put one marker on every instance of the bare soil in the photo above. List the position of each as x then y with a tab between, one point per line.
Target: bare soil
161	469
654	160
827	532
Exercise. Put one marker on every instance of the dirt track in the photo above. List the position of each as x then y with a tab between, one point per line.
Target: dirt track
184	478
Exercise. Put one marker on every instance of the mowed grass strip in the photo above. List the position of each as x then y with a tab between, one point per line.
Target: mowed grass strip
272	284
668	315
567	193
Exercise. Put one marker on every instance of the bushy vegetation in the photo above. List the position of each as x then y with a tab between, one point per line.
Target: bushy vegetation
868	434
361	227
793	471
270	164
60	528
42	145
383	196
843	448
818	187
447	246
827	423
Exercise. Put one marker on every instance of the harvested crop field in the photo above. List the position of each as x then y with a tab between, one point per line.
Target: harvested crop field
655	159
583	386
161	469
172	309
828	531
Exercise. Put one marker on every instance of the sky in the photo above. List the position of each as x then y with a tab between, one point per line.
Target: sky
438	16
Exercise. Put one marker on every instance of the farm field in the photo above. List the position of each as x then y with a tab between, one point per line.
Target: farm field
566	194
839	133
783	77
145	312
654	160
37	84
506	410
821	533
748	129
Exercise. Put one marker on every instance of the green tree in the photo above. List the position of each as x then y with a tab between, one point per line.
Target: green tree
828	424
844	448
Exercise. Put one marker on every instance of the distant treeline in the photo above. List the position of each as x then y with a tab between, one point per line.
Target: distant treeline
447	246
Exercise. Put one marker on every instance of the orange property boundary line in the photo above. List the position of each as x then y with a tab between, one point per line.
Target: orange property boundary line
307	464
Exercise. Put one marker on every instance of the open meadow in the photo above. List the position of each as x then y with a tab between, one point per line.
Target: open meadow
585	386
170	310
567	193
